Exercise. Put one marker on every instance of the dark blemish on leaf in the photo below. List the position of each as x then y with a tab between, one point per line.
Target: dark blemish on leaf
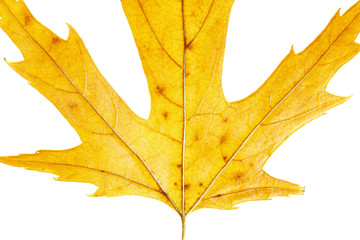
224	157
187	186
72	106
159	89
196	137
226	119
187	74
179	166
239	176
201	184
165	114
190	46
175	183
27	20
55	40
222	139
219	195
251	164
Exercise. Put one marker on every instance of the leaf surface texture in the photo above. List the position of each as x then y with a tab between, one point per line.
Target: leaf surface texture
196	149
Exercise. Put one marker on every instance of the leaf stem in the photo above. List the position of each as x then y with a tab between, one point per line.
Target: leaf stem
183	221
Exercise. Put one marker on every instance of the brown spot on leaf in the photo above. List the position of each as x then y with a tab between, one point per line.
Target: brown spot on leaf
222	139
165	114
196	137
190	46
225	158
159	89
187	74
179	166
27	20
251	164
226	119
239	176
201	184
73	106
186	186
175	183
55	40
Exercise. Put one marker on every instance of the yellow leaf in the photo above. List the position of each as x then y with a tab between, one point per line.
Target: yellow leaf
196	150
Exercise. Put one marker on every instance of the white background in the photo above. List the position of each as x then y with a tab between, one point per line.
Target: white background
323	156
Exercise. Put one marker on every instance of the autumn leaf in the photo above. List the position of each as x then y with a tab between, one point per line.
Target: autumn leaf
196	150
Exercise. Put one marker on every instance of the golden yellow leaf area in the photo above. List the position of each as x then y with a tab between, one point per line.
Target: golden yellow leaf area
196	150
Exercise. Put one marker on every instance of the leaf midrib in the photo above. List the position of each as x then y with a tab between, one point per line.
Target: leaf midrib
183	215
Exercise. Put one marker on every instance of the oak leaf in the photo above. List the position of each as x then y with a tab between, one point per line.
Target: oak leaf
196	150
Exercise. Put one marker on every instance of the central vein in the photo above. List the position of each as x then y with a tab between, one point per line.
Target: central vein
184	117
